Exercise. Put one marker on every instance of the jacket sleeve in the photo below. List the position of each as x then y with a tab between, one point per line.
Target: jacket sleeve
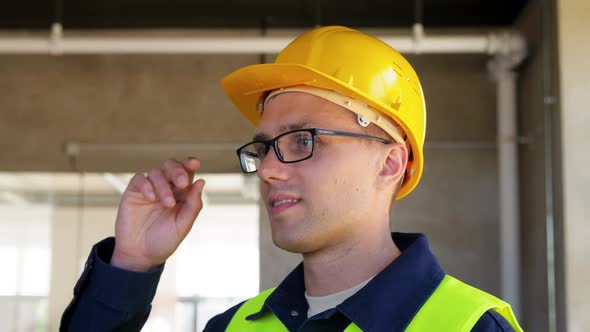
492	321
107	298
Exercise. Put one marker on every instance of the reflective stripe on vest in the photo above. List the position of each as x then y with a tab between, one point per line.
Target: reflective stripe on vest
454	306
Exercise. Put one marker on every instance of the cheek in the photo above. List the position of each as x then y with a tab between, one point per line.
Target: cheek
356	180
339	180
263	188
338	189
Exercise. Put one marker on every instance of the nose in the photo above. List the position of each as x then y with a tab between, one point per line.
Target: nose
271	168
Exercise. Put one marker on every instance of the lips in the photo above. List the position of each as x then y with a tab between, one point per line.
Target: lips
284	201
279	203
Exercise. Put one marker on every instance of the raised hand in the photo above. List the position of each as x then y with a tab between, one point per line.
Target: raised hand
156	213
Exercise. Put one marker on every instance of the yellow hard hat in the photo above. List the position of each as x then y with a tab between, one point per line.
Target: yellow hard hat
351	63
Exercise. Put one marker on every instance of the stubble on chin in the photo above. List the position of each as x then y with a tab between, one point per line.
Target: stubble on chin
288	242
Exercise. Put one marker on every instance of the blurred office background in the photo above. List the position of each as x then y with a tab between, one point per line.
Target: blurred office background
91	92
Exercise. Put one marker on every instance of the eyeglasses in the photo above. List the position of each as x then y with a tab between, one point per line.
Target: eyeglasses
290	147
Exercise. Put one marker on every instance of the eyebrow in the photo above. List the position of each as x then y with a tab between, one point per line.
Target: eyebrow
282	129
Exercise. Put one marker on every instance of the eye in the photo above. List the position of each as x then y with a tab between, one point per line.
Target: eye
260	150
304	140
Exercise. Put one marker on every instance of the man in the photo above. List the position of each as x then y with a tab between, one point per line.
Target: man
340	122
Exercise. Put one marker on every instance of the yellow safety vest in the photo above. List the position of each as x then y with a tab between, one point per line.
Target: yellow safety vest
454	306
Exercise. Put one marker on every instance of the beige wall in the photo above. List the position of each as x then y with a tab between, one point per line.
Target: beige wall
74	231
574	52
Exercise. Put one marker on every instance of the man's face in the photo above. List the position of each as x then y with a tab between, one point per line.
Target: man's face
322	201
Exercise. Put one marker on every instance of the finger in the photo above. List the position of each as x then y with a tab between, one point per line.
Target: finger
191	207
139	183
192	165
175	173
134	183
162	187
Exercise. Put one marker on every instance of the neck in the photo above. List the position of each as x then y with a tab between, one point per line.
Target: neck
334	269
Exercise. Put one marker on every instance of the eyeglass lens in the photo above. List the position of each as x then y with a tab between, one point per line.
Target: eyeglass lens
292	147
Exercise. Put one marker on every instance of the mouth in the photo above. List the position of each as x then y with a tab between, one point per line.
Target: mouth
284	201
278	205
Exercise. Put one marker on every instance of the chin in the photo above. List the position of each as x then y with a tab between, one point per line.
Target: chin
291	242
296	243
288	244
287	233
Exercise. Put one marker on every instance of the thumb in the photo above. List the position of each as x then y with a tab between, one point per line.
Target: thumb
192	206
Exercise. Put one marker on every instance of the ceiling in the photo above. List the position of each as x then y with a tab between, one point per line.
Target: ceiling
136	14
136	104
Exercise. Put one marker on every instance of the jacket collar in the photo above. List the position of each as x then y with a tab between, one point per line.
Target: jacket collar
387	303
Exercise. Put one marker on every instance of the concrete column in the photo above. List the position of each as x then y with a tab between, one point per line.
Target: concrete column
64	257
573	26
162	318
501	69
74	232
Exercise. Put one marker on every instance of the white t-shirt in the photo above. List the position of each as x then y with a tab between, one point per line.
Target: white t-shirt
319	304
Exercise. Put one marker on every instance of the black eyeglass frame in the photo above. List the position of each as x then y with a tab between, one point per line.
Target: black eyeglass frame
313	131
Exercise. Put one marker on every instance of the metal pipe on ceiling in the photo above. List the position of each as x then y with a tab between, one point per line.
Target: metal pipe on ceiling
75	148
99	43
501	68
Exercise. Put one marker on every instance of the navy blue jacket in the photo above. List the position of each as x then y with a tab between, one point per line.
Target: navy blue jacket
110	299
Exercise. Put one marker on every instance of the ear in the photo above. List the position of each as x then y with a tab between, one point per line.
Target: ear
393	165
